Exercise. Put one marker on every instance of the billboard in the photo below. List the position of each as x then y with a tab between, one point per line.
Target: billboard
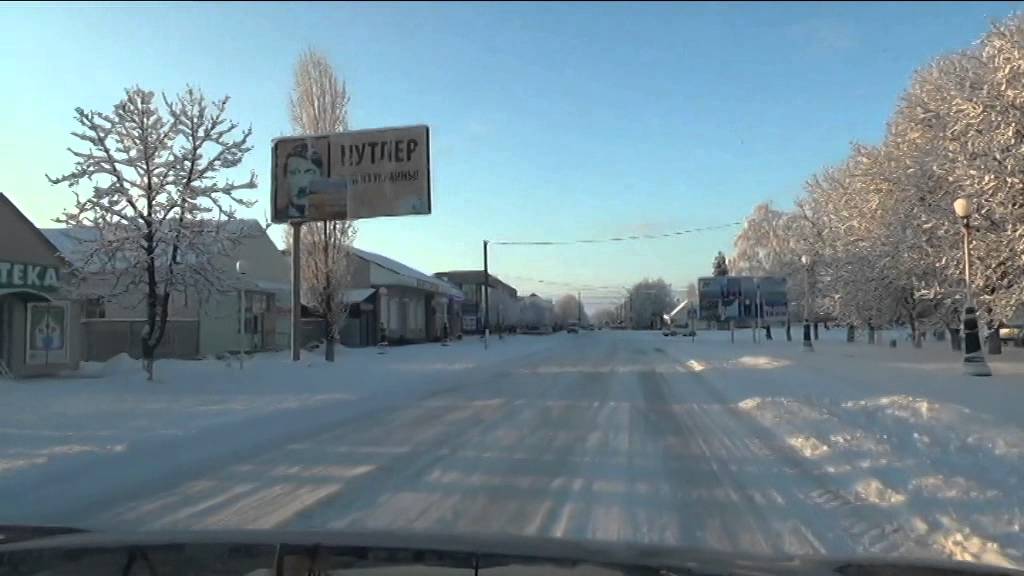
351	175
735	298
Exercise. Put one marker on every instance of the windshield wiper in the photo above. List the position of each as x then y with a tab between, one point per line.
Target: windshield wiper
12	533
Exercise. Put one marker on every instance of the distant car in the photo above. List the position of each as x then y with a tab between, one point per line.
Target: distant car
573	327
683	330
1010	333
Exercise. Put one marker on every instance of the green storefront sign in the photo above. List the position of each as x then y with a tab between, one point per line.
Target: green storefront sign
29	276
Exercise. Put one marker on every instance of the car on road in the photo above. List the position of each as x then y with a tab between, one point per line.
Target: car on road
573	327
685	329
1011	332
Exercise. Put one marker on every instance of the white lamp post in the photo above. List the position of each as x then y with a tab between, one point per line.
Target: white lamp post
242	267
806	260
974	359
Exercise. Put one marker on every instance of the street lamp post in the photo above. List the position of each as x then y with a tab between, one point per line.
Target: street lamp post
974	360
806	260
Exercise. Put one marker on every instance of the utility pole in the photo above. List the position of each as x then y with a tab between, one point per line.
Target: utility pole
579	308
486	297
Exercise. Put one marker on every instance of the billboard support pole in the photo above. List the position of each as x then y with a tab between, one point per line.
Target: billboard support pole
296	290
486	296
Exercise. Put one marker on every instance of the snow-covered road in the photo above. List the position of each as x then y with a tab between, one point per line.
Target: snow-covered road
758	448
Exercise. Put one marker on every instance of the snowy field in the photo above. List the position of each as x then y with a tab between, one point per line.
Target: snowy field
762	448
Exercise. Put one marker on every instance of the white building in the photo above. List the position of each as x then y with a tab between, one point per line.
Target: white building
411	306
112	324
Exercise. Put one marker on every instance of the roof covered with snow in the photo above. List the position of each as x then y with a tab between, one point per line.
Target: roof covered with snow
437	284
72	242
474	277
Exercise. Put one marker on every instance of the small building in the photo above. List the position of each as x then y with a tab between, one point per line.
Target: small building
252	313
409	305
504	302
38	315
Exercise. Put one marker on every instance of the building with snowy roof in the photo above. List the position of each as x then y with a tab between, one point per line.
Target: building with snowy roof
251	311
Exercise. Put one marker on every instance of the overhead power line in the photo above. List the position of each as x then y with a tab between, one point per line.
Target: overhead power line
615	238
574	285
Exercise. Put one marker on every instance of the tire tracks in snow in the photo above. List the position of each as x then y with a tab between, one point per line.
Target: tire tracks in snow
116	508
862	528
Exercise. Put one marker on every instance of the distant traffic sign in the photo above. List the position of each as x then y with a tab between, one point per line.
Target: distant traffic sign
351	175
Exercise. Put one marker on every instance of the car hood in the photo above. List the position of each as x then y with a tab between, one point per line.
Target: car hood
271	551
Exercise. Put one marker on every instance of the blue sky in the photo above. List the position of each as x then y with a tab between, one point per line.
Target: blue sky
548	121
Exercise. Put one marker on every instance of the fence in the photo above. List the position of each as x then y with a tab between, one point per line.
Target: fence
103	339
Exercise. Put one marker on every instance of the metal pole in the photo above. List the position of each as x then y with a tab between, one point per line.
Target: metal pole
486	297
967	261
296	290
241	329
808	345
579	308
974	359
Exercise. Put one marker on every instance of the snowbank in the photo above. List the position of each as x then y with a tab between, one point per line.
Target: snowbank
934	457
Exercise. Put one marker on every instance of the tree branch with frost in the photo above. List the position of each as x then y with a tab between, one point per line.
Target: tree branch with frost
157	199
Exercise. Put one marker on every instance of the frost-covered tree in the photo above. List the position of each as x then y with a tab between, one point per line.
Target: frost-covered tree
535	312
765	245
879	227
771	244
568	308
719	267
981	155
606	316
691	293
319	105
157	198
327	263
648	301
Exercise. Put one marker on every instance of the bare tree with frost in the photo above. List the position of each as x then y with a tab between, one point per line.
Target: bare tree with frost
157	198
319	105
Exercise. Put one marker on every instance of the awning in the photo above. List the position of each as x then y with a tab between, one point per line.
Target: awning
357	295
31	295
275	287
